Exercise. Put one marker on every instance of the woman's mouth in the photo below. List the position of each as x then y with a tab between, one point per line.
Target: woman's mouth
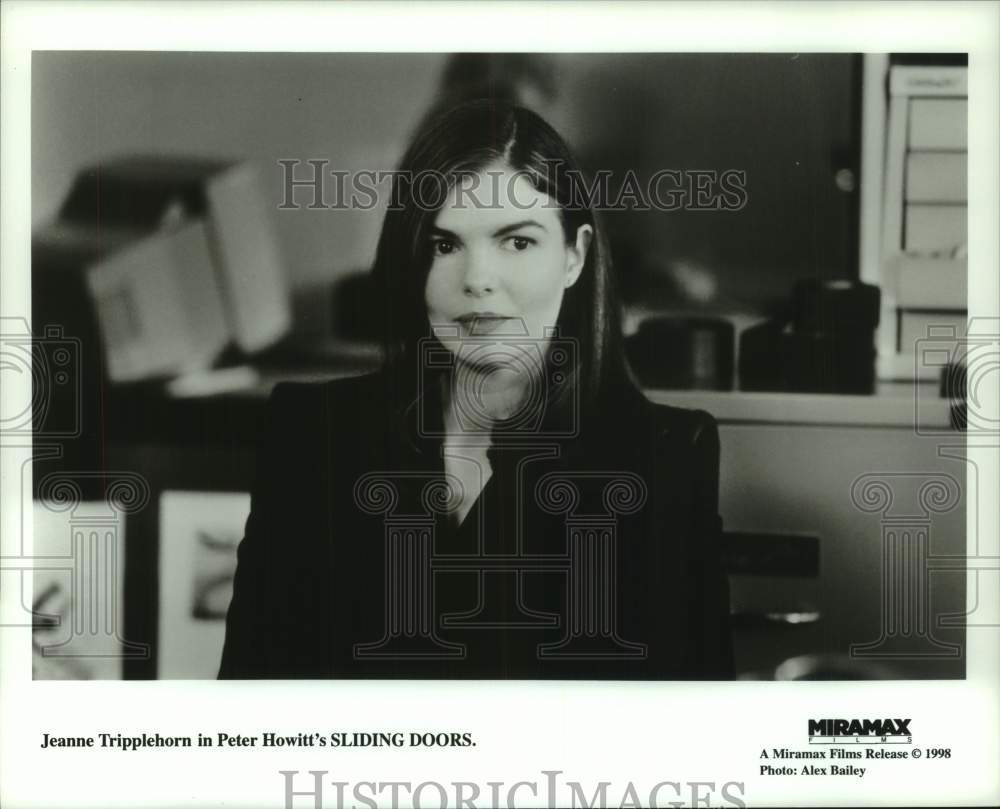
482	323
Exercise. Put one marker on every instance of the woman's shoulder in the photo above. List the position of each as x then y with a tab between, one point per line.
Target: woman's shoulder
337	405
691	426
662	422
363	391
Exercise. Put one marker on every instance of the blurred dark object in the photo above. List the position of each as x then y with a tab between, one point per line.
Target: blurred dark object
835	307
777	609
831	667
825	345
62	312
951	59
958	416
524	78
692	353
139	192
67	406
774	359
353	307
801	615
770	554
953	381
823	667
527	79
781	555
954	385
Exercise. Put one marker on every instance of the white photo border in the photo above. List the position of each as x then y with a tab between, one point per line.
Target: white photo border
618	732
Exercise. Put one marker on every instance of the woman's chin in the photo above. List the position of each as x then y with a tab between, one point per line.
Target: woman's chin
501	366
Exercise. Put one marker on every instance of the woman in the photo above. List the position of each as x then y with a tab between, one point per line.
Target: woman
499	501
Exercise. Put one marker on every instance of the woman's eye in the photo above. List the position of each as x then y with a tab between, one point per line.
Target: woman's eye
442	247
519	243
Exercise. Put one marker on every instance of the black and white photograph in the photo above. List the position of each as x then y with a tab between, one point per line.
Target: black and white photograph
534	365
499	372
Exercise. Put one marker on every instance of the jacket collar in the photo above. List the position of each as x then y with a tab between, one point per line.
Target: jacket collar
421	425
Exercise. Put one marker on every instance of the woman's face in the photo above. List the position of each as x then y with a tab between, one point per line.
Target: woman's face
500	266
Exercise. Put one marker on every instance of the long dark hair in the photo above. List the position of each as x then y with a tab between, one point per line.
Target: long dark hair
466	139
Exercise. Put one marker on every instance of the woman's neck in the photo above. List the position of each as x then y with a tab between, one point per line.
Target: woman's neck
475	401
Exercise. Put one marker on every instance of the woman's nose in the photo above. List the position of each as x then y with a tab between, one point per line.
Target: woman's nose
480	275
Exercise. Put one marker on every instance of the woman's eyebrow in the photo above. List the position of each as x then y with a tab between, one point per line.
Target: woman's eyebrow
436	231
524	223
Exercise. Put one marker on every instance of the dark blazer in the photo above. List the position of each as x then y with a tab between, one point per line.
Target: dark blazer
592	558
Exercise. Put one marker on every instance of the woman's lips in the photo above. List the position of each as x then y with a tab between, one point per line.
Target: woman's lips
482	324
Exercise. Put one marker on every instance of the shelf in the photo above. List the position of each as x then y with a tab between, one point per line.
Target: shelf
896	405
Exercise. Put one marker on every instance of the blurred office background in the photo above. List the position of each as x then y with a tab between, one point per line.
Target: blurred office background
791	122
170	283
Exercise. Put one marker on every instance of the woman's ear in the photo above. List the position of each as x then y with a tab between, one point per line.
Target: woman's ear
576	253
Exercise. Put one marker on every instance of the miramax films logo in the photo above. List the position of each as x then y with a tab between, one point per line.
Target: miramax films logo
860	731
